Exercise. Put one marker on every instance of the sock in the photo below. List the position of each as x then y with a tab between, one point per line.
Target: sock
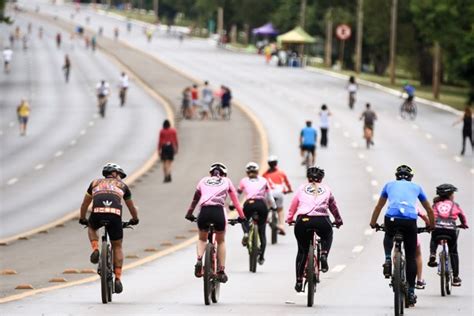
118	272
95	244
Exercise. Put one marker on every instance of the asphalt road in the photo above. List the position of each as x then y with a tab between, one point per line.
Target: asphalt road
283	99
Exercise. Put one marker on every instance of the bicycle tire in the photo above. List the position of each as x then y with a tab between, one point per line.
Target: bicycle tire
449	276
442	272
104	284
310	276
207	277
403	111
413	111
110	276
254	249
274	227
397	284
216	286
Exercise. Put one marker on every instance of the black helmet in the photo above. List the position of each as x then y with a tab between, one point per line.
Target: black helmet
445	190
220	167
111	167
404	172
315	174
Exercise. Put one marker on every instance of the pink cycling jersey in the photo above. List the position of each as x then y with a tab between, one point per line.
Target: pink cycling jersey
256	189
313	201
446	213
214	191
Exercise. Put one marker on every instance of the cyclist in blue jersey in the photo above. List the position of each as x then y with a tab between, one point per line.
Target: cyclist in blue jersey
401	215
308	138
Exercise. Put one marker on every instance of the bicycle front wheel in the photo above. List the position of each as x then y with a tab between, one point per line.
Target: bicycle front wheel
310	276
397	284
274	227
449	275
253	249
442	272
207	277
104	284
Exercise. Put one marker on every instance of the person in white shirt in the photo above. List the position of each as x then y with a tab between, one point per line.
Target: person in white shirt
123	88
324	124
352	88
102	89
7	58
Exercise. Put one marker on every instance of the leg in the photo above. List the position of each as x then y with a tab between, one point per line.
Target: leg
118	257
201	244
453	253
464	136
221	251
410	236
262	225
303	240
93	238
281	219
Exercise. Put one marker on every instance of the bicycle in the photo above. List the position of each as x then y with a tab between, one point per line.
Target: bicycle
211	282
445	270
253	244
409	110
274	226
399	281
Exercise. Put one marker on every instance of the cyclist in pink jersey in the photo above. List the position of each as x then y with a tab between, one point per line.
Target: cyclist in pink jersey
210	196
312	204
257	195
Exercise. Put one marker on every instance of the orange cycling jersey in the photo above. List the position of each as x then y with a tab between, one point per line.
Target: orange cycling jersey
277	180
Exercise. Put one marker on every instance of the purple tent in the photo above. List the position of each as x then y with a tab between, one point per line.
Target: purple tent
266	29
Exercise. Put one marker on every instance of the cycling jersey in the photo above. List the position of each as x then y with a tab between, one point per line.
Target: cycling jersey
410	90
402	196
446	213
309	136
256	189
107	195
277	180
313	200
214	191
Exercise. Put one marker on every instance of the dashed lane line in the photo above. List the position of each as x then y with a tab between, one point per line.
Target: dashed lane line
11	124
73	142
457	158
368	232
375	197
369	169
39	166
338	268
443	146
59	153
374	183
91	123
428	136
361	156
346	134
83	132
12	181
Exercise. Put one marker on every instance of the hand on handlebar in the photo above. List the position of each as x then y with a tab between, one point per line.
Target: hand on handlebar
190	217
463	226
241	219
134	221
83	221
337	224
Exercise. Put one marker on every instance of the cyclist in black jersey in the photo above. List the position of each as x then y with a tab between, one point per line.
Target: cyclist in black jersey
106	197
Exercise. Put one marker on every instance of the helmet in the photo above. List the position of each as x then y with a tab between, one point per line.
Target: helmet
220	167
445	190
252	167
404	172
405	82
315	174
111	167
272	161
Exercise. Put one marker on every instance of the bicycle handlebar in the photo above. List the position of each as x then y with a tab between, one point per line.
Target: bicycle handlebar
292	223
419	229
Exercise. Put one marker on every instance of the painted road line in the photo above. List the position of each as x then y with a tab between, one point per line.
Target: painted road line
73	142
39	166
443	146
457	158
472	171
11	124
368	232
337	125
91	123
338	268
357	248
375	197
428	136
12	181
414	126
374	183
361	156
369	169
59	153
354	144
83	132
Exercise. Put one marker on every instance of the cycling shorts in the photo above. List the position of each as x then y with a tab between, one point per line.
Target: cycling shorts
410	98
211	214
310	148
23	119
114	227
278	196
256	206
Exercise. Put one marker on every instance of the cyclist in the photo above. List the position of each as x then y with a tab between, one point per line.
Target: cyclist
401	216
446	212
257	194
279	185
352	89
312	203
7	58
106	196
123	85
102	89
210	196
369	117
308	138
410	91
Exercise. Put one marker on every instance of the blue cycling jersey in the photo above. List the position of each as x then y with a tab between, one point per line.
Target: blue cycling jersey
410	90
402	196
309	136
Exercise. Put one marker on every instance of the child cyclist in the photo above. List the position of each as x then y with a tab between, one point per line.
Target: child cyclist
446	213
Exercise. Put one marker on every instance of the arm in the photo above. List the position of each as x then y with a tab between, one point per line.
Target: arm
270	198
462	217
194	202
235	200
287	183
429	211
378	208
293	208
458	121
132	208
424	218
85	205
334	210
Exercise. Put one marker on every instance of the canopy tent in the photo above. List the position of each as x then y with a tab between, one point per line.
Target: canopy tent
296	36
267	29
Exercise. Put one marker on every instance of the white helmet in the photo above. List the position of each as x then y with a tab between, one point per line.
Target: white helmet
272	158
218	166
252	166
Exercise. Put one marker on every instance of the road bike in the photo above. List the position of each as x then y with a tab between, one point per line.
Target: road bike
408	109
399	281
211	282
445	270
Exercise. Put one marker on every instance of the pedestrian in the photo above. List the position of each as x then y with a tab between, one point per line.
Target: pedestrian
87	41
167	148
186	103
369	117
12	39
206	101
66	67
149	34
102	90
116	33
93	42
58	40
7	59
194	99
23	112
25	41
40	32
226	102
324	124
100	31
466	128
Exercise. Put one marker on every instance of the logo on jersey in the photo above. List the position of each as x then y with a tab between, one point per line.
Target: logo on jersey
107	203
309	189
214	181
444	209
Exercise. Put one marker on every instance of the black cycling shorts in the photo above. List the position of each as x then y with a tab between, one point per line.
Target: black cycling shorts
410	98
310	148
167	152
114	227
212	214
256	206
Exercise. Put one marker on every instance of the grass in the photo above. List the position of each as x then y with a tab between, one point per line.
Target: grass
145	17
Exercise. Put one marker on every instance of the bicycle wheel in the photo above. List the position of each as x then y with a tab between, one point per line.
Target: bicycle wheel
104	284
442	272
403	110
207	277
254	248
413	111
216	286
310	279
274	227
397	284
110	275
449	275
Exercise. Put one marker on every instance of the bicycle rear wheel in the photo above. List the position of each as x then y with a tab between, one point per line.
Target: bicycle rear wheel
110	274
442	272
310	276
397	284
104	284
449	275
253	248
413	111
207	277
274	227
216	285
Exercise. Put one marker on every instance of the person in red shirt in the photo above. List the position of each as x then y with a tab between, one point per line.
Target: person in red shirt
167	148
279	186
194	98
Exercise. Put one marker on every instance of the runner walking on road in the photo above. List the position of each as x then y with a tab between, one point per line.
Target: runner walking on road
66	67
23	111
369	117
308	138
324	115
7	58
58	40
167	148
102	94
466	128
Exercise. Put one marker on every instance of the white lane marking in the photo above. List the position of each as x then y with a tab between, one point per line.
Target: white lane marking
354	144
12	181
95	115
457	158
73	142
39	166
290	302
374	183
428	136
301	294
399	117
358	248
369	169
58	154
368	232
361	155
414	126
443	146
91	123
472	171
11	124
338	268
375	197
83	132
346	134
1	133
337	125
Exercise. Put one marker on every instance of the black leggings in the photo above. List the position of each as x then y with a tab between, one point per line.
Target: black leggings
260	208
466	135
324	137
452	244
323	227
408	228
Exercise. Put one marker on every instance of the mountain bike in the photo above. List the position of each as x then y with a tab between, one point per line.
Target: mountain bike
399	281
445	270
409	110
211	282
253	244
